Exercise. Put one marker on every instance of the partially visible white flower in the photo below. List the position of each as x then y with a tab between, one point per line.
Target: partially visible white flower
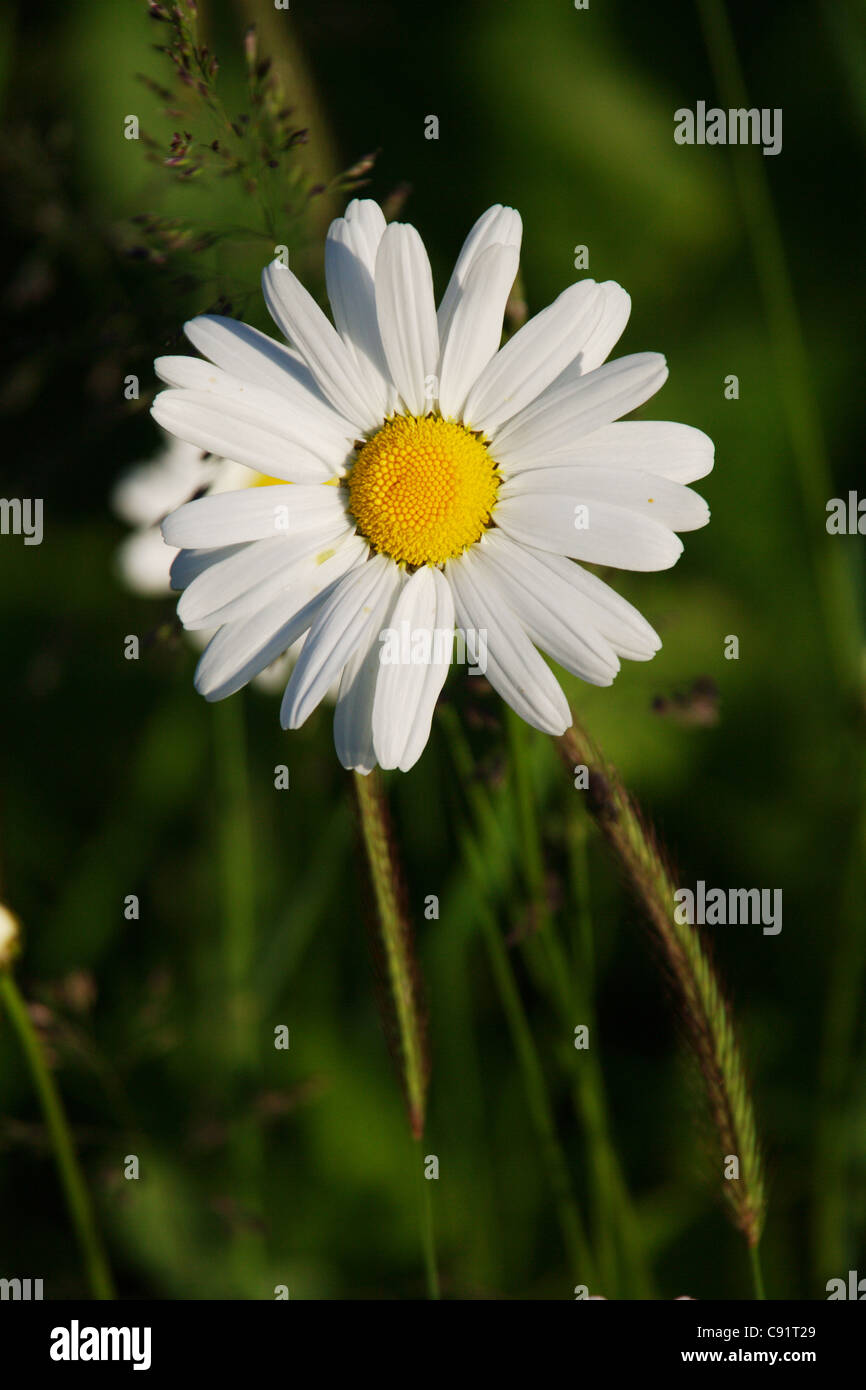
431	478
10	937
146	495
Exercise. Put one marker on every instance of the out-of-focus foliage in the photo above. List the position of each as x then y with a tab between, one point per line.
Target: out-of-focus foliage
295	1167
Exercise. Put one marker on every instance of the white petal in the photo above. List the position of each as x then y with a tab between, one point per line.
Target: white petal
606	333
366	222
353	732
353	716
535	356
234	429
406	311
562	415
303	418
256	513
601	534
678	452
543	604
188	564
340	626
298	315
514	667
238	586
244	352
262	569
350	260
658	498
590	600
497	226
475	331
242	649
406	693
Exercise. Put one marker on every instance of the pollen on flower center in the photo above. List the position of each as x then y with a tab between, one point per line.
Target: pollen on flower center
422	489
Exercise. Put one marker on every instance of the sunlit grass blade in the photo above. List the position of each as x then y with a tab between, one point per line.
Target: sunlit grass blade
71	1177
705	1009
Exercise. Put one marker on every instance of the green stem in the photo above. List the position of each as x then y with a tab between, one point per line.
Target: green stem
396	941
71	1178
757	1274
428	1237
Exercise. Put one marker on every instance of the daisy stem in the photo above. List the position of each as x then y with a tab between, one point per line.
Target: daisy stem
396	943
705	1008
404	993
71	1177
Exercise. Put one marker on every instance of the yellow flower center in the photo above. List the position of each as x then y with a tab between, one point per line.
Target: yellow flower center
422	489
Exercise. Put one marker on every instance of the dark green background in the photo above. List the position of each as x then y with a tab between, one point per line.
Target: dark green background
298	1168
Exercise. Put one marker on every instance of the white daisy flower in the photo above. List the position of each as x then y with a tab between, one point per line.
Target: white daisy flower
431	478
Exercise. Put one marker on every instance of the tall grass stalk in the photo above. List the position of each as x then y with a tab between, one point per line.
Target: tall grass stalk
705	1009
278	41
71	1178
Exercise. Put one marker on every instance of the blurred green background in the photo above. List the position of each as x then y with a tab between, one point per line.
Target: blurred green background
262	1167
